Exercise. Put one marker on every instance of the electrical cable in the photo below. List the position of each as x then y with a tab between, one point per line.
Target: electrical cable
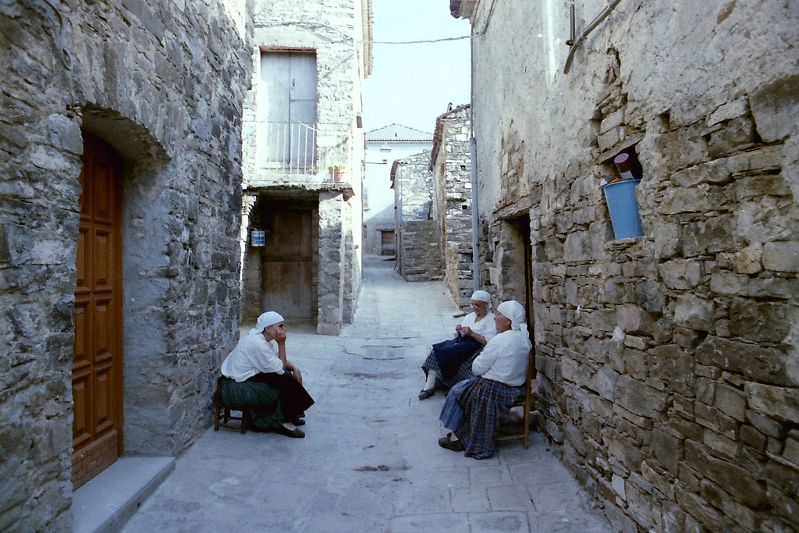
426	40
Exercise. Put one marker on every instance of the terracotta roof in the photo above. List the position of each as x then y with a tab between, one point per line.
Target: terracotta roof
398	134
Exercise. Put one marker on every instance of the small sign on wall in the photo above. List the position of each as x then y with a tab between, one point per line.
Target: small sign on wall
257	238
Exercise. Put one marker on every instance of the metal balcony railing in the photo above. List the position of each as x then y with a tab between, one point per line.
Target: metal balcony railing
287	147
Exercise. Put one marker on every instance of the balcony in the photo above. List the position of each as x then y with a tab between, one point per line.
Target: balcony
287	148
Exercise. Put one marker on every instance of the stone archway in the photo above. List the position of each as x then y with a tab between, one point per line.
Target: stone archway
97	358
144	214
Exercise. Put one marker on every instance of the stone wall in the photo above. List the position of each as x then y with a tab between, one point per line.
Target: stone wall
421	255
163	83
332	249
418	252
667	363
451	166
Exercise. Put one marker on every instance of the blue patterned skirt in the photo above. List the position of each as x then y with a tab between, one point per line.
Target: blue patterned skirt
484	402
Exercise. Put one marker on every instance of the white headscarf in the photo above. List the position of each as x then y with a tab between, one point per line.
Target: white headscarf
513	311
264	321
482	296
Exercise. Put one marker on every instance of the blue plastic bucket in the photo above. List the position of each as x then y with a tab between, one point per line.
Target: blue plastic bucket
623	208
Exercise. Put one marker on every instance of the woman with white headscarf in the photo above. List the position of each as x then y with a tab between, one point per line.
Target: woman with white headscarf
263	382
450	361
473	407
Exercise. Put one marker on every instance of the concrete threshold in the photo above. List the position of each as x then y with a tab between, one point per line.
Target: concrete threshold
107	501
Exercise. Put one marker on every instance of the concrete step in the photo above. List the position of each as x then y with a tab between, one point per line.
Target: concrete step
106	502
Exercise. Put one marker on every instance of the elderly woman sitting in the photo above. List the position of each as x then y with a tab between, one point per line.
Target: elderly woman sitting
262	381
450	361
473	407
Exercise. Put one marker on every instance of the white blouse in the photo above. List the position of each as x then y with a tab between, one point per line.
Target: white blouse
485	326
252	355
504	358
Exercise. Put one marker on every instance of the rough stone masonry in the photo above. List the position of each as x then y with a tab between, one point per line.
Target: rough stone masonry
452	198
418	251
163	84
668	375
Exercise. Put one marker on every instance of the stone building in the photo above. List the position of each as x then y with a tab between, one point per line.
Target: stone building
121	169
303	159
418	250
384	145
452	199
667	363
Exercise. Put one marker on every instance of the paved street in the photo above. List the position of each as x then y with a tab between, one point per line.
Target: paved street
370	461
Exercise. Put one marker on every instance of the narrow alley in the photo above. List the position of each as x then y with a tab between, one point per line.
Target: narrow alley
369	461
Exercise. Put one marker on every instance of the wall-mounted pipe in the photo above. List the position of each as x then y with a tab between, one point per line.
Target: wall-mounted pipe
594	23
473	169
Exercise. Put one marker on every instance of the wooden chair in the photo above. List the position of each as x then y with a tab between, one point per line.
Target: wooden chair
525	401
222	412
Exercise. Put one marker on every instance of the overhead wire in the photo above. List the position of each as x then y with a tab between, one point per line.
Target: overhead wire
423	41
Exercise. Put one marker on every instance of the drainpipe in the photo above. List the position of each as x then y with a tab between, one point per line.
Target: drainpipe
473	153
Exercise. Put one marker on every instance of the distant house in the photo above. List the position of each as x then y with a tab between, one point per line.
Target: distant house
303	159
418	250
383	146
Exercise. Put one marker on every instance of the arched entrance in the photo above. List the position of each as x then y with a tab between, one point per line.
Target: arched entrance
97	351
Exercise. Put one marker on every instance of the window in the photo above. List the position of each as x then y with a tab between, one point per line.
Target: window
286	111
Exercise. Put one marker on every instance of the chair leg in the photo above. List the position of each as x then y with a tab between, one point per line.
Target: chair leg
245	420
526	425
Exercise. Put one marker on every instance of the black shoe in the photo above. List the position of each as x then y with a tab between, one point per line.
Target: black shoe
298	421
293	433
454	445
425	394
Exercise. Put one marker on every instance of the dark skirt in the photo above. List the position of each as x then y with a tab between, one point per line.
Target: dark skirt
271	399
484	402
447	359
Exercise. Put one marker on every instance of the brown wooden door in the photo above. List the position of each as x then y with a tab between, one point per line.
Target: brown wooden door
97	357
387	242
288	261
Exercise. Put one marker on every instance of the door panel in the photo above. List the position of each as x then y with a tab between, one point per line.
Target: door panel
287	266
97	348
275	87
303	77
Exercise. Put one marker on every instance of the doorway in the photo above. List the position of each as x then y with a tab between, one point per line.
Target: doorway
387	246
515	263
97	348
287	260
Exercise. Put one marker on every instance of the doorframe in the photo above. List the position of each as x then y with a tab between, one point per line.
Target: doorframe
519	226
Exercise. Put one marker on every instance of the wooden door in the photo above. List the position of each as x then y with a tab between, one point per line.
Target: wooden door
387	242
97	349
288	261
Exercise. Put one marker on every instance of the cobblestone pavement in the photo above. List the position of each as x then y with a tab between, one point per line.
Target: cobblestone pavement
370	460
